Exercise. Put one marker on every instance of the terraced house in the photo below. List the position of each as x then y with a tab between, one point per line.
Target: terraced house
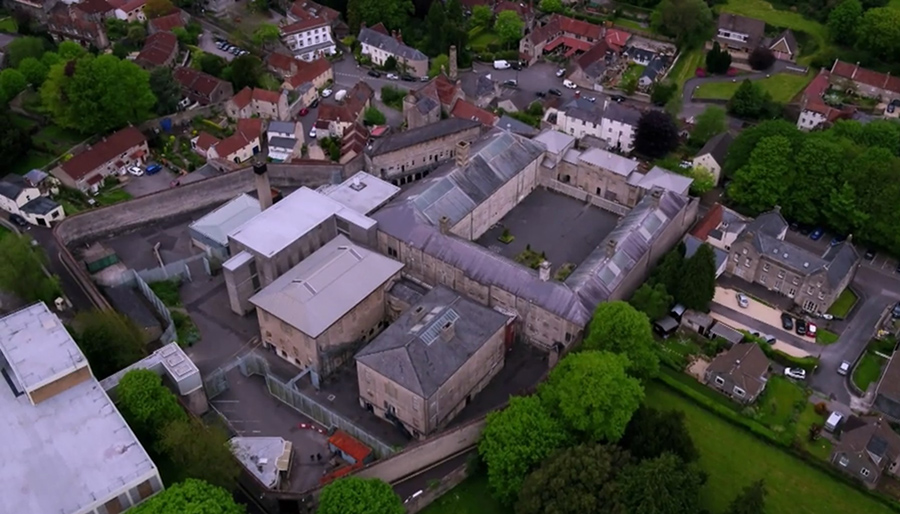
379	45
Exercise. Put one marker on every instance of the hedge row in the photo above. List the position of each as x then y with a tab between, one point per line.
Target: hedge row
807	363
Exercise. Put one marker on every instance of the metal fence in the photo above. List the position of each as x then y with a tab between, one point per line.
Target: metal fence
215	383
169	334
584	196
255	364
178	269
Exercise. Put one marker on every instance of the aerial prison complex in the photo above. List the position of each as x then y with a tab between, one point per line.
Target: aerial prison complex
414	286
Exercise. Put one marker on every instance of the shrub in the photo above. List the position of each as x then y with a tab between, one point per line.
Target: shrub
821	408
807	363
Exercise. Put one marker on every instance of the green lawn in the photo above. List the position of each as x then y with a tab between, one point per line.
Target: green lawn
734	458
686	67
868	370
841	307
779	402
56	140
762	10
826	337
32	160
112	196
8	24
783	87
479	39
626	23
470	497
632	73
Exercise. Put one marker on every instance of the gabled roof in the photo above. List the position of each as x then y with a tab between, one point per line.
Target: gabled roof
596	53
196	82
283	127
95	6
169	21
623	114
309	71
785	42
515	126
242	98
753	28
582	109
420	353
131	5
205	141
104	151
616	38
622	166
159	49
12	186
377	39
865	76
264	95
304	25
440	89
408	138
227	218
745	364
874	441
661	178
467	110
283	63
717	147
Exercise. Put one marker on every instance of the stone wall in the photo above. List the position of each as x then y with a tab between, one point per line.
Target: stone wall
181	117
426	497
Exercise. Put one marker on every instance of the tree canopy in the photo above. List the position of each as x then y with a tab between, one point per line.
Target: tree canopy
516	440
752	500
372	116
551	6
697	285
690	22
481	16
652	432
200	452
266	34
22	48
751	101
21	271
508	26
146	403
166	90
244	71
709	123
653	300
34	70
393	13
618	327
592	394
353	495
190	497
435	22
656	135
662	485
718	60
761	58
879	32
765	179
844	20
12	82
14	143
109	340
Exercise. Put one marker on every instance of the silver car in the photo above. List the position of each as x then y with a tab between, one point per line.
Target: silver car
743	301
795	373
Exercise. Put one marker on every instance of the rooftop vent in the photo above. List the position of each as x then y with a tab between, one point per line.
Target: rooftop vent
805	264
785	255
357	184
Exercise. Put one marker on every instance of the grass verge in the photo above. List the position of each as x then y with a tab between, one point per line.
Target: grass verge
826	337
783	87
841	307
686	67
868	370
472	496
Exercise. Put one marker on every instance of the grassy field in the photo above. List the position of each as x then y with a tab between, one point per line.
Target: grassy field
479	39
633	72
826	337
783	87
32	160
8	24
470	497
779	400
56	140
734	458
762	10
686	67
841	307
868	370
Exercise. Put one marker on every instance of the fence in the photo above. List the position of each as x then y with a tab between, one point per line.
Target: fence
178	269
584	196
168	335
255	364
215	383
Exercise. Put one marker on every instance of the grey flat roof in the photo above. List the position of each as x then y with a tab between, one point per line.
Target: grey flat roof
413	352
325	286
171	361
71	451
263	457
287	143
609	161
555	141
40	206
282	127
363	192
227	218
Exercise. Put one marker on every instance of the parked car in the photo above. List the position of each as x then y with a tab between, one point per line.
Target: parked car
769	339
554	91
541	94
18	220
569	84
591	99
312	133
511	83
816	234
374	73
153	168
743	301
811	330
870	254
501	65
560	72
844	368
836	240
392	76
795	373
800	327
406	77
618	98
516	65
304	111
787	322
135	170
314	104
895	312
326	93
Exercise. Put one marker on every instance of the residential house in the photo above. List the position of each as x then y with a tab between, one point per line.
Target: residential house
202	88
309	39
590	68
579	118
17	196
617	39
109	156
281	64
559	32
712	156
469	111
480	88
814	111
720	227
132	11
639	55
319	312
160	49
692	243
81	24
333	119
865	82
425	105
257	102
58	420
305	9
285	140
318	73
379	46
619	126
760	255
887	390
431	362
240	146
354	142
868	449
653	71
516	127
739	35
785	46
741	373
168	22
202	142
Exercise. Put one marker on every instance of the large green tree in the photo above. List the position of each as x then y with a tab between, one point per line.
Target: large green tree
712	121
166	90
656	134
752	500
200	452
210	63
653	300
190	497
515	441
22	48
741	148
147	404
436	24
592	394
12	82
662	485
844	20
69	50
21	270
879	32
14	143
354	495
668	270
765	180
34	70
98	94
577	480
109	340
481	16
652	432
393	13
508	26
618	327
551	6
749	101
244	71
718	60
266	34
690	22
698	280
819	163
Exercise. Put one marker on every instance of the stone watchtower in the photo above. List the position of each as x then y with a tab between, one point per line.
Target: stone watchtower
453	65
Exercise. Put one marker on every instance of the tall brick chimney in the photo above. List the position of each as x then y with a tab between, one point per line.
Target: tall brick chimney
453	65
263	188
462	153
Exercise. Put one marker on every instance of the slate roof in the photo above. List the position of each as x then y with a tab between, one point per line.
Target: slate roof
413	353
12	186
582	109
717	147
788	39
390	45
659	177
872	440
400	140
515	126
656	66
477	86
744	364
40	206
618	112
593	62
282	127
755	29
615	163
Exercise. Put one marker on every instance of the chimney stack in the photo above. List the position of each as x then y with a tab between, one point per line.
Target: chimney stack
447	331
453	64
445	225
263	188
544	271
611	248
656	194
462	154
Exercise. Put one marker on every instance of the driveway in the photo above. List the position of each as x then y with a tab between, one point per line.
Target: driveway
759	317
149	184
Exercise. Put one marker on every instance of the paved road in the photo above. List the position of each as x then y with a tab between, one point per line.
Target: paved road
691	107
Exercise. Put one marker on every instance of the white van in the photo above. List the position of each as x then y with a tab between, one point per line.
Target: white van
501	65
340	95
833	421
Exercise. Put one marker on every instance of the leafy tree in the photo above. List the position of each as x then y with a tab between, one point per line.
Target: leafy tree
190	497
551	6
156	8
22	48
761	58
390	64
717	60
698	280
592	394
652	432
69	50
875	178
34	71
664	484
703	181
879	133
752	500
455	14
21	270
741	148
879	32
245	71
373	116
12	82
393	13
49	59
98	94
260	6
266	34
436	25
354	495
662	92
765	180
818	162
14	143
707	124
674	105
147	404
481	16
109	340
657	134
576	480
137	34
844	20
211	63
619	328
116	29
749	101
121	50
668	271
166	90
514	441
842	211
508	26
690	22
200	452
652	300
439	63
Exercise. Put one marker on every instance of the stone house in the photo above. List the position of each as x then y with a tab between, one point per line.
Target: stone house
712	156
864	82
739	35
378	45
202	88
334	119
284	140
309	39
590	68
868	449
318	73
256	102
619	126
424	106
559	30
740	373
785	46
132	11
81	23
18	196
579	118
168	22
160	49
432	361
240	146
109	156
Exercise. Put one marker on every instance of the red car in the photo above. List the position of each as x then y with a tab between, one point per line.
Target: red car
304	111
811	330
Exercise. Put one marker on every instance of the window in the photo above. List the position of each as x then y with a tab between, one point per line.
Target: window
821	295
864	472
737	257
720	381
145	489
392	252
747	262
415	402
762	279
766	267
114	506
795	281
744	251
781	274
568	337
739	392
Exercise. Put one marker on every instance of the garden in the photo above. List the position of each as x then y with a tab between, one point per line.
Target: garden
762	10
783	87
844	303
868	369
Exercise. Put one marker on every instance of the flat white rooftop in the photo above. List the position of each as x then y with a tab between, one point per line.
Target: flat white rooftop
70	451
279	226
363	192
227	218
264	457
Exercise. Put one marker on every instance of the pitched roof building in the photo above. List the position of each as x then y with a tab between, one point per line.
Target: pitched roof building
379	46
867	450
739	34
80	23
109	155
202	88
712	155
160	49
169	22
741	372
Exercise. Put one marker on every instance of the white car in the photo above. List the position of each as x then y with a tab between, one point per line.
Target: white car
136	171
795	373
560	72
312	133
743	301
326	93
569	84
392	76
844	368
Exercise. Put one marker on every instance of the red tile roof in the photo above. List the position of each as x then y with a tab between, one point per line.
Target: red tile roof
205	141
617	38
865	76
572	43
349	445
813	98
95	6
304	25
103	152
250	127
440	88
196	82
596	53
332	112
158	49
283	63
231	145
308	9
580	28
169	21
380	28
243	98
132	5
709	222
264	95
308	72
469	111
